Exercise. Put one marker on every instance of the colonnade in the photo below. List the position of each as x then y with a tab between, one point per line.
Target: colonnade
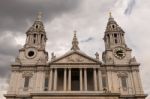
83	79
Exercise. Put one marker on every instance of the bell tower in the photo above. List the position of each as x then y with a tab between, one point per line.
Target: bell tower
116	50
33	51
36	35
114	35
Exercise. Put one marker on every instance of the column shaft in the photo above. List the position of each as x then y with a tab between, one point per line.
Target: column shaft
81	82
85	79
51	79
95	80
65	79
55	80
69	79
99	80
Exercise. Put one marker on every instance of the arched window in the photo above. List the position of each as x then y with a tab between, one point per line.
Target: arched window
124	82
26	81
36	26
46	84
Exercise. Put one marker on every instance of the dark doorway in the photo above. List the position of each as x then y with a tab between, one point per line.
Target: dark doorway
75	83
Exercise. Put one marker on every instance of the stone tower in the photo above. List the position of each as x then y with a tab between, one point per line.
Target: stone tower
122	68
75	75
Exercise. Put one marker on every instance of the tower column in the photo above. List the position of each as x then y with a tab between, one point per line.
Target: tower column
39	36
69	79
95	79
65	79
55	79
81	80
36	39
85	79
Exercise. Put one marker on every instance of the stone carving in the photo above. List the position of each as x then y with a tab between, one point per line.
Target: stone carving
133	60
53	56
27	73
122	74
75	59
97	55
17	60
109	60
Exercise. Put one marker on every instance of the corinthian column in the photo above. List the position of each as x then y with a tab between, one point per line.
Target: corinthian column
85	79
55	79
81	82
95	80
51	79
65	79
69	79
100	80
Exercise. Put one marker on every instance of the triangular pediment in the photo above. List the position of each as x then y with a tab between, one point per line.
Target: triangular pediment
75	57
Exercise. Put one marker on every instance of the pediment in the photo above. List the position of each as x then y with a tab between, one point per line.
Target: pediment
75	57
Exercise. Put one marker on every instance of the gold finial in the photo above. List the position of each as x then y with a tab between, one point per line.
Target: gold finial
110	14
75	31
39	17
75	42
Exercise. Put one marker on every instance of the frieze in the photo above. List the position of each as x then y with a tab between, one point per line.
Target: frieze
27	73
122	74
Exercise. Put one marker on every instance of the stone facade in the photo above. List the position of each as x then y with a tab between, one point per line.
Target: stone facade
75	75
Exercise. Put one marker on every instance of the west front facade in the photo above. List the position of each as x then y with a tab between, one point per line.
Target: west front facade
75	75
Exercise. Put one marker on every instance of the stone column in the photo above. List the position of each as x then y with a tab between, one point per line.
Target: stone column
136	82
140	83
65	79
32	39
55	79
110	85
81	80
100	80
95	79
37	39
40	75
39	36
69	79
85	79
51	79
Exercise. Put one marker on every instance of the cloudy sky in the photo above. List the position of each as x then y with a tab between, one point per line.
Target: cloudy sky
62	17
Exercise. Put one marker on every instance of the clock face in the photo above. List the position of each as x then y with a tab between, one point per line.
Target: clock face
30	52
119	52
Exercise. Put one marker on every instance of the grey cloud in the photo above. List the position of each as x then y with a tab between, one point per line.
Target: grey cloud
9	46
15	13
130	6
88	39
8	51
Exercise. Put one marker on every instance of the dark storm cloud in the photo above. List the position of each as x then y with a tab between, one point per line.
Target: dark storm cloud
130	6
15	13
8	52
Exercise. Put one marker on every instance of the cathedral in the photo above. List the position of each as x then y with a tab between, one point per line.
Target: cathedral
75	75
